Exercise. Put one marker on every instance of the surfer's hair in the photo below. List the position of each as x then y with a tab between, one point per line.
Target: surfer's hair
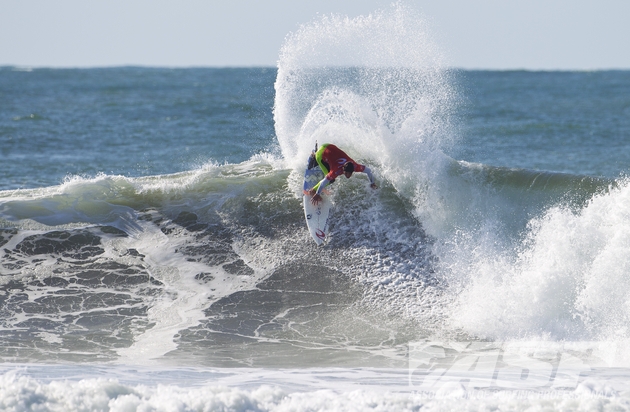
348	167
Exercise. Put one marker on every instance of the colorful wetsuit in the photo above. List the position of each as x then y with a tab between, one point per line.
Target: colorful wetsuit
331	160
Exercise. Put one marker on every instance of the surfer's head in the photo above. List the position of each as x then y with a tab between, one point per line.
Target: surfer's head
348	169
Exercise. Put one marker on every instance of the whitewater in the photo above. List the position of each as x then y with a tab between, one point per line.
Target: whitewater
155	254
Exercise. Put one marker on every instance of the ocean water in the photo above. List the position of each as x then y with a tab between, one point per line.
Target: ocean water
155	254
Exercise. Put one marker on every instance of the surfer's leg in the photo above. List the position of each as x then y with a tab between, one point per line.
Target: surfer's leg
322	164
311	161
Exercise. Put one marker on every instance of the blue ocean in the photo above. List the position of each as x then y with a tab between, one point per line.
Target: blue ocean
155	255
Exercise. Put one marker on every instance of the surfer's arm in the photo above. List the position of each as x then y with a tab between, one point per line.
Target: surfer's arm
321	185
369	174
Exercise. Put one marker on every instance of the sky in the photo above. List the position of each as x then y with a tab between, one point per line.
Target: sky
472	34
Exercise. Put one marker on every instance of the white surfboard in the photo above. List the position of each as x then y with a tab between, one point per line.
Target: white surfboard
316	216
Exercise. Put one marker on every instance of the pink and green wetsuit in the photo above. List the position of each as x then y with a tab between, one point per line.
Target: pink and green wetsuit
331	160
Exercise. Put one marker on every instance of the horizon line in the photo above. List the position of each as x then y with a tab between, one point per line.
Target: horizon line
26	68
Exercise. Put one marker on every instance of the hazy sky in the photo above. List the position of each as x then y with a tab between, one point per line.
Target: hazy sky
492	34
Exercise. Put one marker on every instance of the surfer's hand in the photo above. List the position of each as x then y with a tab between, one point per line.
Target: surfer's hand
373	186
316	199
312	192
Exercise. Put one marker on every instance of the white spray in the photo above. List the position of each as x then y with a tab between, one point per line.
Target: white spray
377	86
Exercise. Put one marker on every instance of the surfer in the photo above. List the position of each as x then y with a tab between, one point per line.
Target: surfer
334	162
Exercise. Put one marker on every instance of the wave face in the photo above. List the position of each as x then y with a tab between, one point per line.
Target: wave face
214	266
